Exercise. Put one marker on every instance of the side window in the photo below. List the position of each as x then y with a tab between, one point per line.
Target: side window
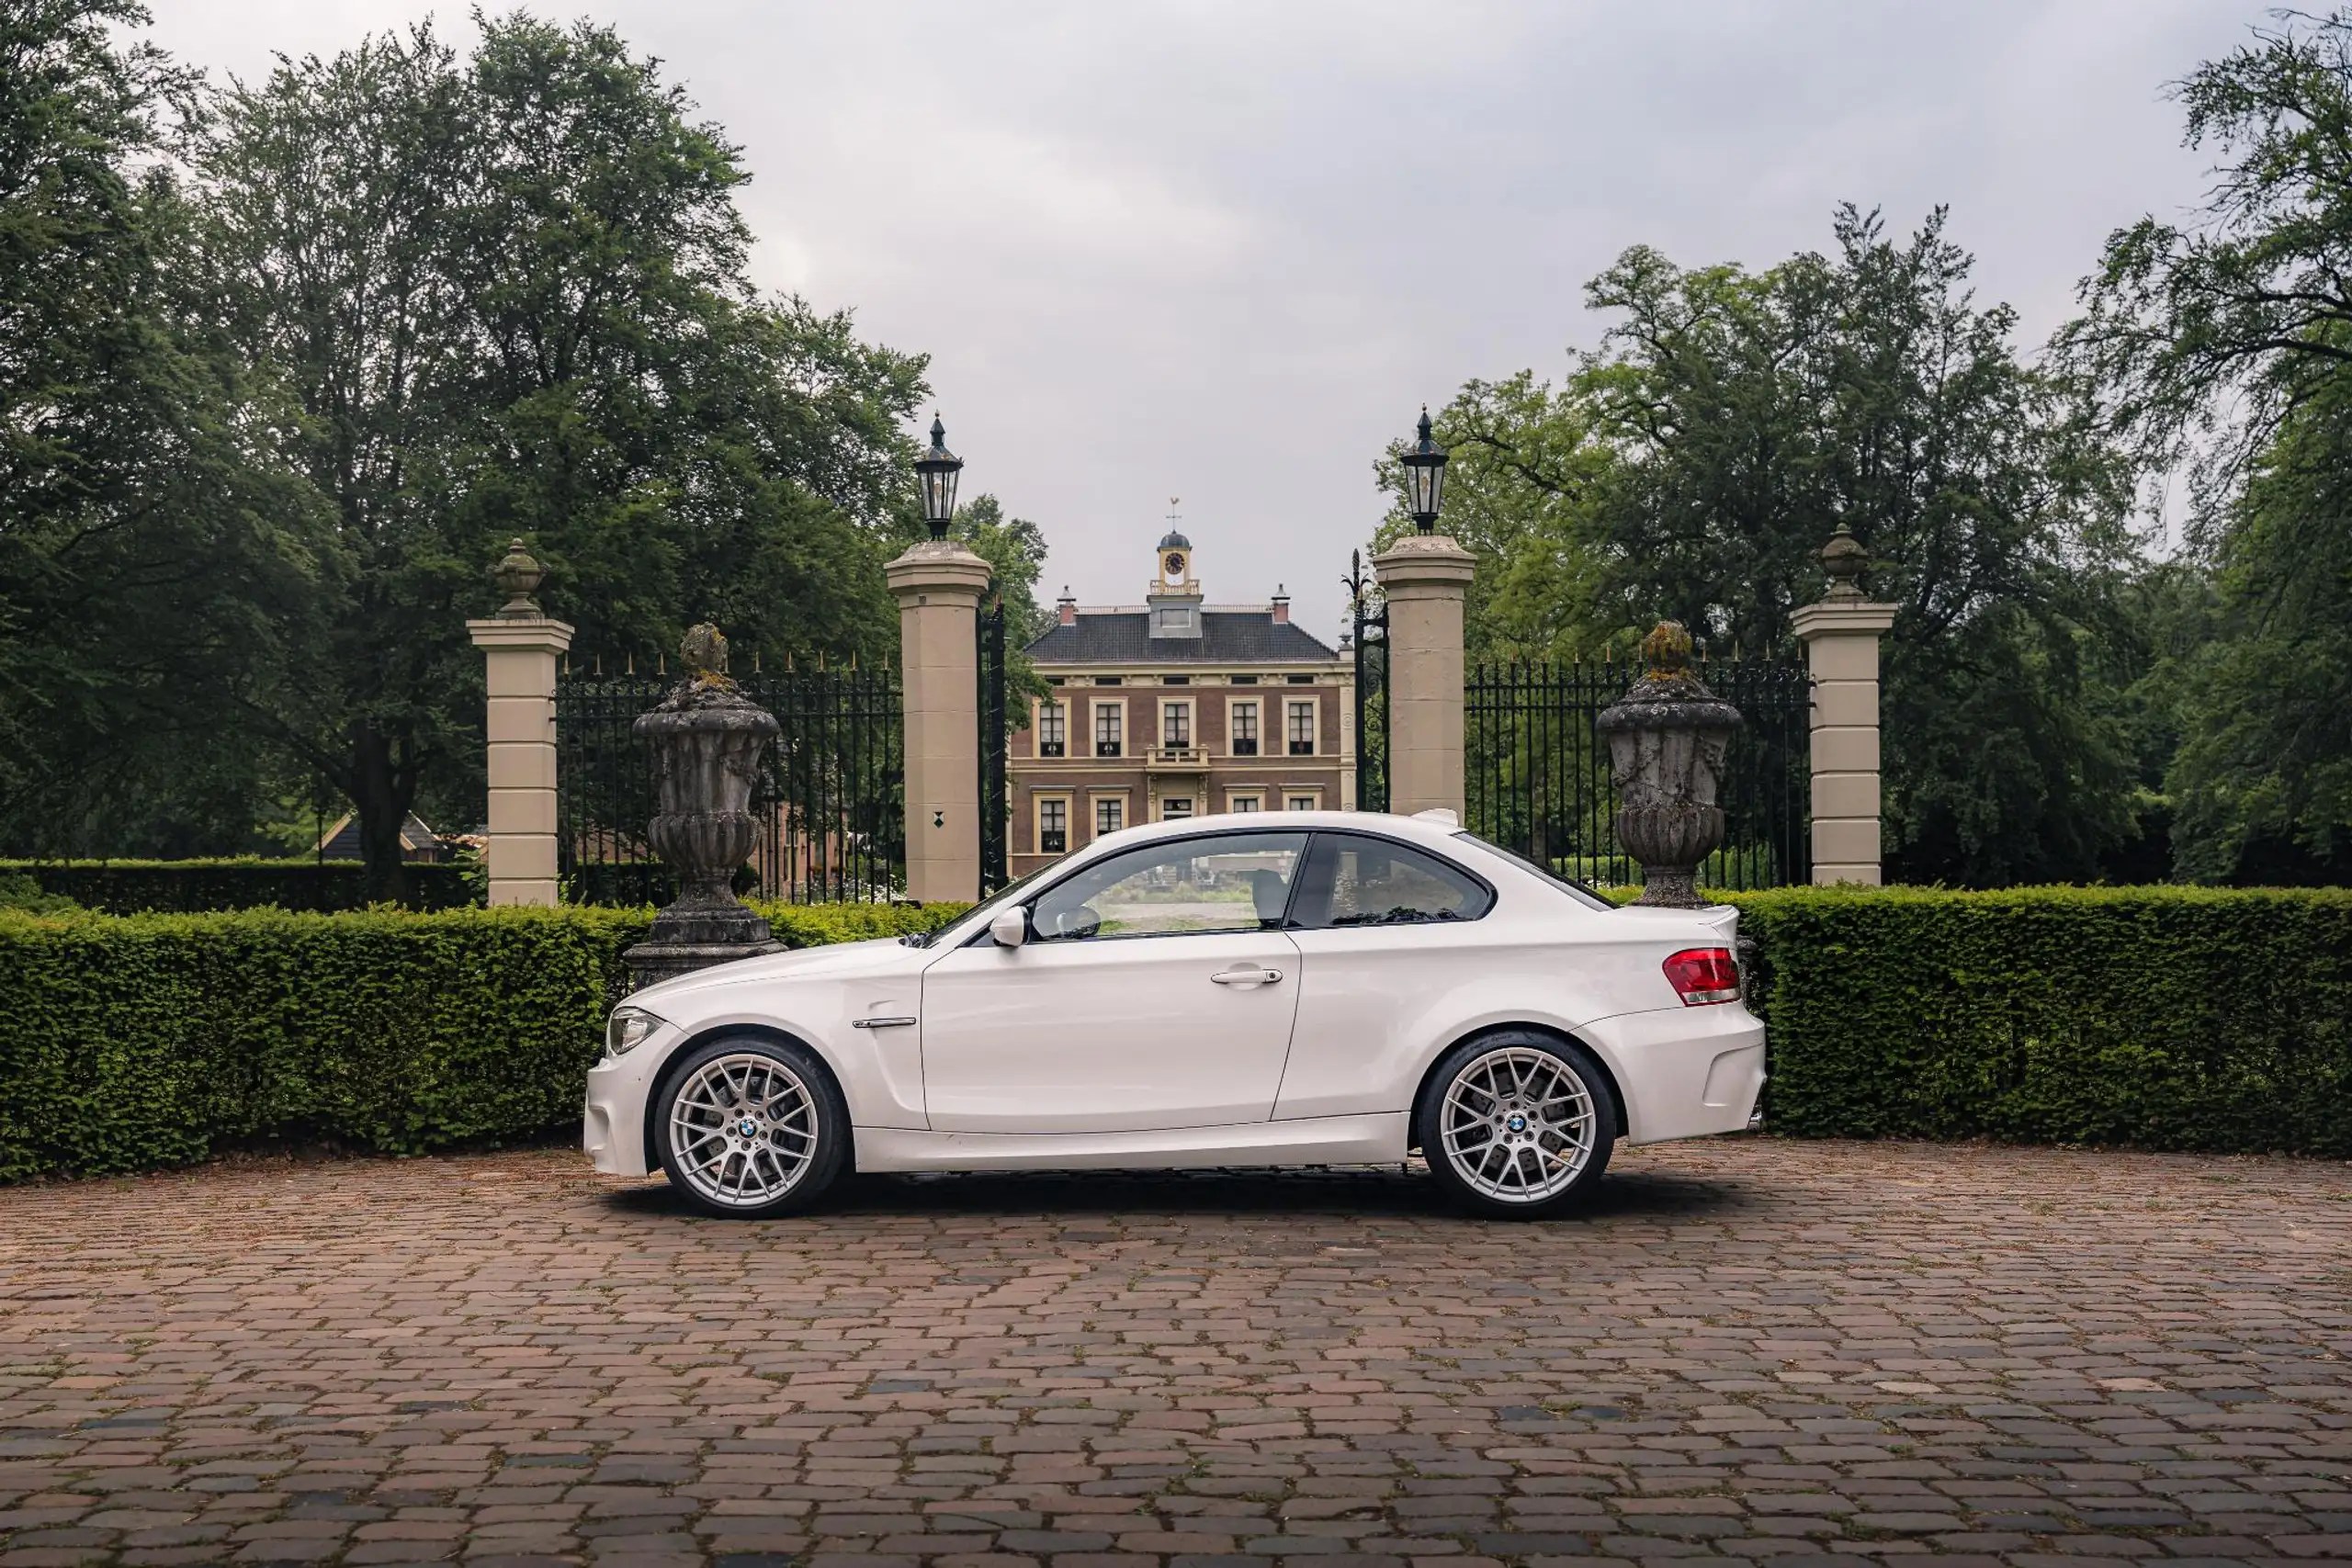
1356	881
1228	882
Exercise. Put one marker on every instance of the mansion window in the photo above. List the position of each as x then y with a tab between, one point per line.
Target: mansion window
1053	827
1052	730
1176	725
1176	808
1110	816
1248	803
1298	803
1302	730
1245	729
1107	727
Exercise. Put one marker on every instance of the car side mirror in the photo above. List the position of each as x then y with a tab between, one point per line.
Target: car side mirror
1011	928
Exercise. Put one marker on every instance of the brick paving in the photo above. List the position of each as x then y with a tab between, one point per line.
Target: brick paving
1750	1349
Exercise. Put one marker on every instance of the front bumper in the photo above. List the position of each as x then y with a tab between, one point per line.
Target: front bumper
612	1123
1686	1072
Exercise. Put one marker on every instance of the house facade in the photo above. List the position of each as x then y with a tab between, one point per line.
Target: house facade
1173	708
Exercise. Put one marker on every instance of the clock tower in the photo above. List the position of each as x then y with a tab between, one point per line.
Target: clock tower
1174	595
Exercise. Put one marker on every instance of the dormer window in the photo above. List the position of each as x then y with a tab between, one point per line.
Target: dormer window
1175	620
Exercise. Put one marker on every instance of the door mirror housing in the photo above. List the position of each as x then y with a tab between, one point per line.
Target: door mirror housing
1011	928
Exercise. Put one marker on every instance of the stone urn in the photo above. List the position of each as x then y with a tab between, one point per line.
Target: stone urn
706	739
1668	737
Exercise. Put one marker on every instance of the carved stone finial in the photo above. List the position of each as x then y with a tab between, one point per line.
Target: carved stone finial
1845	557
518	576
704	655
1668	651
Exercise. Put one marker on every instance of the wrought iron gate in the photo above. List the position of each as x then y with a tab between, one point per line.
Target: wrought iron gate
829	796
996	814
1370	645
1537	779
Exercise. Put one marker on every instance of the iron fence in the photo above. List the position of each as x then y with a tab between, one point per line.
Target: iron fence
996	799
1370	645
1537	780
829	795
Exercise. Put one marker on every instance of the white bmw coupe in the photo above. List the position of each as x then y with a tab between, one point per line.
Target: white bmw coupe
1315	987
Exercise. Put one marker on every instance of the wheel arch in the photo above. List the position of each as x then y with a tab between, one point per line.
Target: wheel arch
675	1063
1549	1031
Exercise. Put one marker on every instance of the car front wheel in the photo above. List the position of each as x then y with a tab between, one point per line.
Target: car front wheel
1516	1123
750	1128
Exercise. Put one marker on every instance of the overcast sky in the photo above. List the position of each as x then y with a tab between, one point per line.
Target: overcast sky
1225	251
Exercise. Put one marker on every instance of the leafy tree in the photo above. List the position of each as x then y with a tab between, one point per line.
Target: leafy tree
155	558
1014	548
2224	345
1694	465
508	295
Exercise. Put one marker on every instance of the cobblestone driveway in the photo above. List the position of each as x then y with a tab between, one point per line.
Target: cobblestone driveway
1752	1349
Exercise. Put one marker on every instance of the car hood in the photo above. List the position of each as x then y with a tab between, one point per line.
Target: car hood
839	961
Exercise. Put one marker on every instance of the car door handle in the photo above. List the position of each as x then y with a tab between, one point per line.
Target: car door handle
879	1022
1253	975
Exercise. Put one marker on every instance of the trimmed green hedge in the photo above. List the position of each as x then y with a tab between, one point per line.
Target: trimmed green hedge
143	1041
133	887
2169	1017
2166	1018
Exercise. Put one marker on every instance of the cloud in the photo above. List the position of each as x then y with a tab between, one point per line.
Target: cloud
1225	250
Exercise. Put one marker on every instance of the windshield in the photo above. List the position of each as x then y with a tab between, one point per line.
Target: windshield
1579	891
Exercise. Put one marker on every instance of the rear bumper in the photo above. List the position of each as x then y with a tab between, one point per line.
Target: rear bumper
1686	1072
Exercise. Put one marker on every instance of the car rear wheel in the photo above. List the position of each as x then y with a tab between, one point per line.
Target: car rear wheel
1517	1124
748	1128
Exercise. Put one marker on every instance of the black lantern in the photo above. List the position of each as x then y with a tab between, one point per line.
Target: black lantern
937	469
1424	463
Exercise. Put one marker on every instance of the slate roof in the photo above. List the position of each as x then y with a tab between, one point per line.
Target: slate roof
1227	636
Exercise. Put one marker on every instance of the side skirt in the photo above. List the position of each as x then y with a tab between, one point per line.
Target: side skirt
1377	1139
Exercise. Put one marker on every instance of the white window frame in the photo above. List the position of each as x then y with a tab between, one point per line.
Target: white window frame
1234	797
1185	815
1174	706
1115	798
1314	725
1117	707
1037	805
1037	720
1233	739
1302	800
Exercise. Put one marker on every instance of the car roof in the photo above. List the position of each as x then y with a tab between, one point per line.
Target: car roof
1413	830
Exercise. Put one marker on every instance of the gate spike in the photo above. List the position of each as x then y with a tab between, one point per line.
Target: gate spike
660	663
632	662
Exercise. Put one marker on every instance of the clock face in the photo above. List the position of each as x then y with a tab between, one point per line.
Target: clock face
1174	565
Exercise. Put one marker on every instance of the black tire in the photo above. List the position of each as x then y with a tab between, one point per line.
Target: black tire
757	1116
1566	1111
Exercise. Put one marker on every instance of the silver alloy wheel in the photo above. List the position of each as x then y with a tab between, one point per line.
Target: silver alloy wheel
1517	1124
743	1128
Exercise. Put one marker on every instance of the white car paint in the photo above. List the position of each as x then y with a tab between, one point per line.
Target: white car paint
1131	1053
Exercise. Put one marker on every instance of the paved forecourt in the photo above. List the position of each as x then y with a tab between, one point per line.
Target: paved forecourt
1751	1349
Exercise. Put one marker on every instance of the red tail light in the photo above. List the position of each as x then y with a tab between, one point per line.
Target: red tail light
1703	975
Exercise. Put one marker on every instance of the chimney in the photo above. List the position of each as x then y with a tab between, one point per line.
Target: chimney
1282	606
1066	608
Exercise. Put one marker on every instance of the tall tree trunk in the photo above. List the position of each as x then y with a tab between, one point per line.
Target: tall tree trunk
382	791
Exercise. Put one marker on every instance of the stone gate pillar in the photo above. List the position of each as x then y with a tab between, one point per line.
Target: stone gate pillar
1841	635
520	646
1425	577
938	585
